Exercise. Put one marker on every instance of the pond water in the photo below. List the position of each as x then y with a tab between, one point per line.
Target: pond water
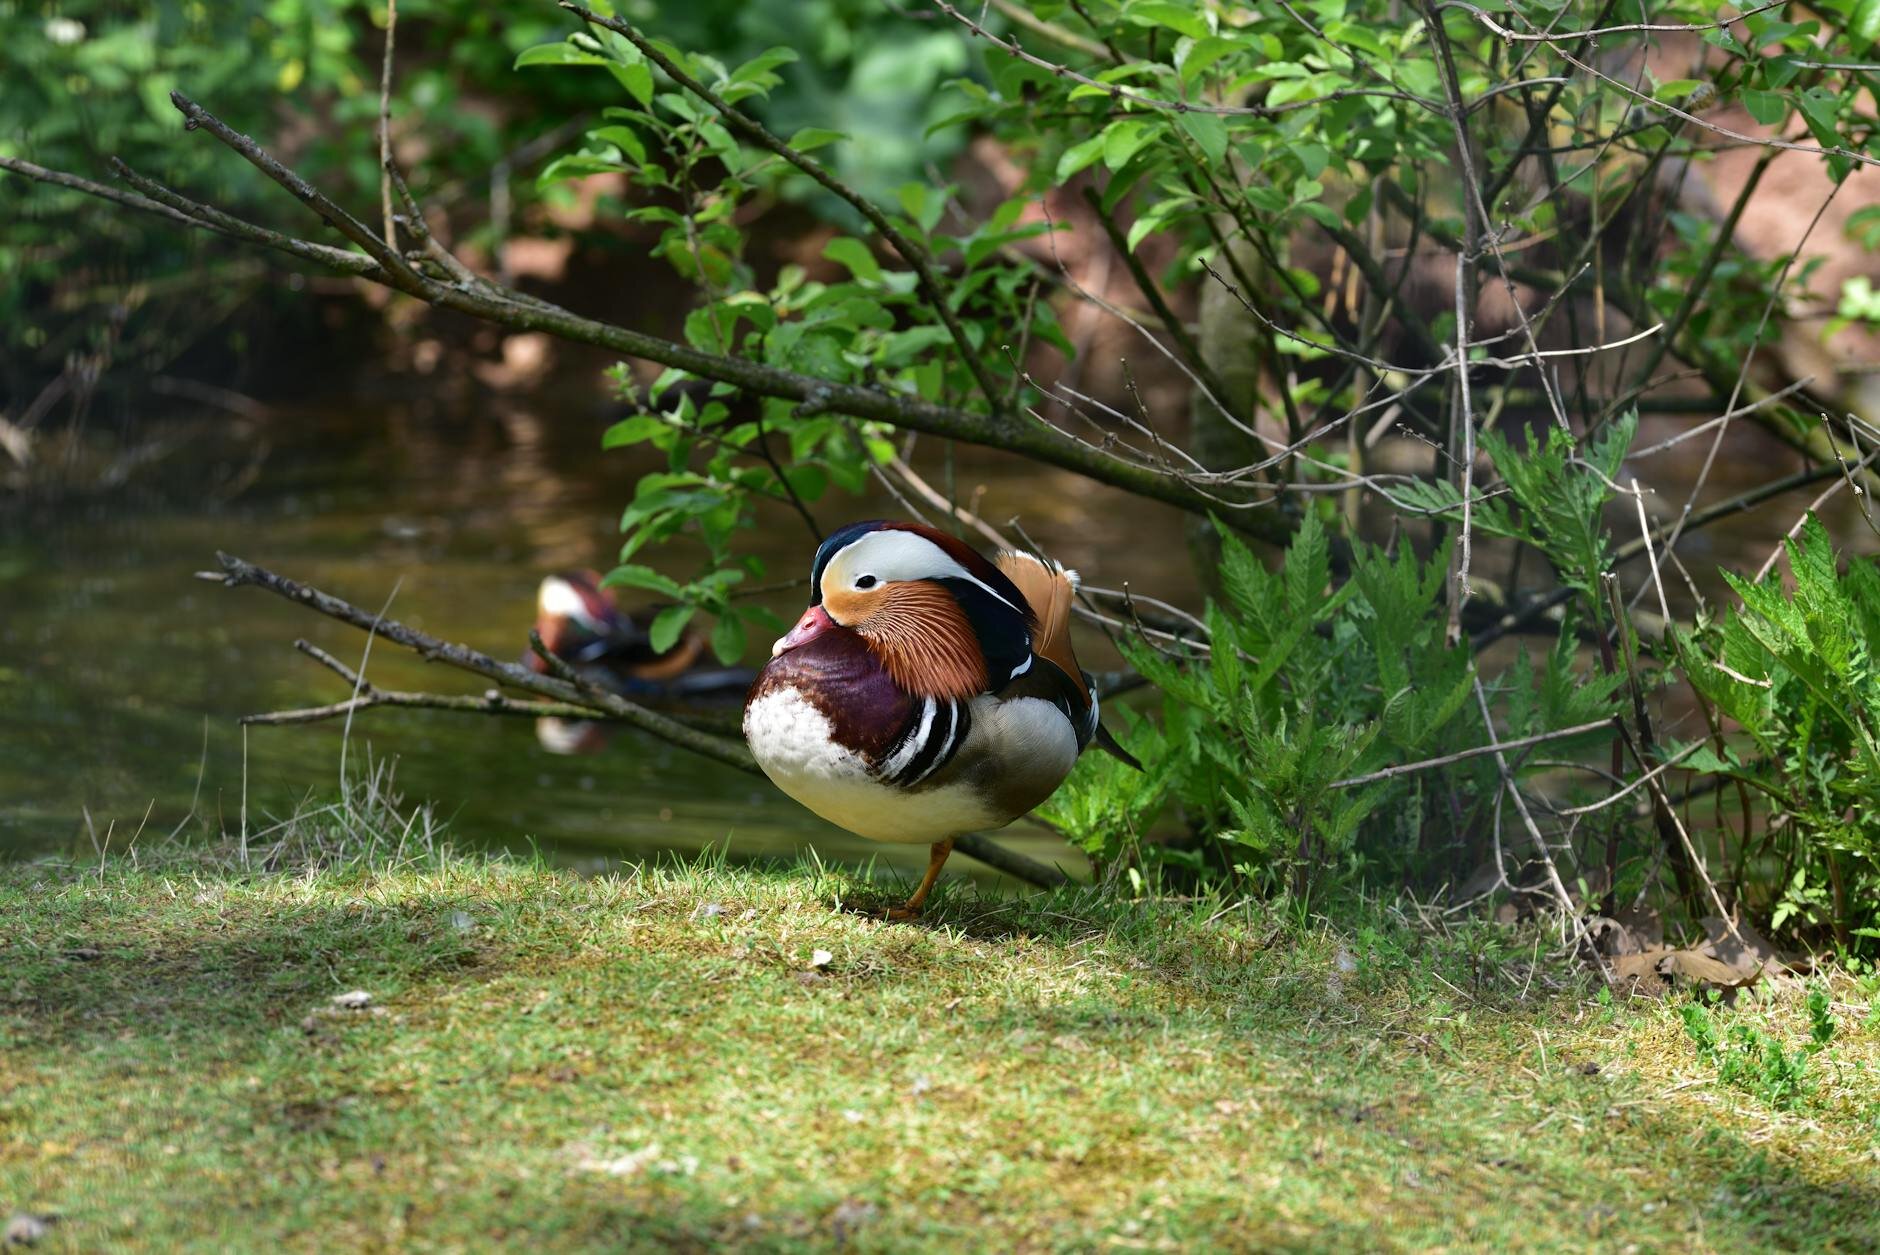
121	677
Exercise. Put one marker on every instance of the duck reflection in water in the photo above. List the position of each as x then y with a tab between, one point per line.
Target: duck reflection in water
583	625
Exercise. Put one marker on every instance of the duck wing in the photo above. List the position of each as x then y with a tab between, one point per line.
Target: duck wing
1048	589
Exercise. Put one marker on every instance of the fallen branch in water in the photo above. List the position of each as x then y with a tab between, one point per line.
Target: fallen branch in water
567	698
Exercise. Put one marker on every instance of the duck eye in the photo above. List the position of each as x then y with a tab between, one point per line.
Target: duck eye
865	581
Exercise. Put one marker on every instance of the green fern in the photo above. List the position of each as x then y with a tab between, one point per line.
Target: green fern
1795	674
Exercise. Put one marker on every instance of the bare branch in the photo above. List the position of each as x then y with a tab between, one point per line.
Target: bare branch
385	124
399	273
212	219
504	307
1497	748
58	178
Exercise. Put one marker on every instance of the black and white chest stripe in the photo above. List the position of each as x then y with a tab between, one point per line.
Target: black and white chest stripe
933	736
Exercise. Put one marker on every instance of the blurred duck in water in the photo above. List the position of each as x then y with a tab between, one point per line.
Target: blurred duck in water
582	624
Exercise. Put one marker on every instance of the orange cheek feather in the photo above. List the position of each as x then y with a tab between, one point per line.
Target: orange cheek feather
920	634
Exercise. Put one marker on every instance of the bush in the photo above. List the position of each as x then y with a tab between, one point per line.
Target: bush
1795	673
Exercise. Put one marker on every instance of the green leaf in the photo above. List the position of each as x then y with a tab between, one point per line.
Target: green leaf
1176	17
1201	54
621	137
667	625
848	251
635	430
1209	132
728	639
558	53
811	138
637	78
1077	156
629	575
1863	26
1122	140
1779	72
758	68
576	166
1863	227
1153	219
1823	113
1767	107
903	346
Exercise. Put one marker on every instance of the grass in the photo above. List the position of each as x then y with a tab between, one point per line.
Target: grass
657	1059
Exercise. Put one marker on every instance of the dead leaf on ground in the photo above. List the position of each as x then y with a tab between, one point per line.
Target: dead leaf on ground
1658	970
1744	948
1611	938
1627	931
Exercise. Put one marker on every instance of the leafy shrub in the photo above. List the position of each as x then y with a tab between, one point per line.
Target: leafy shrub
90	79
878	326
1796	674
1308	685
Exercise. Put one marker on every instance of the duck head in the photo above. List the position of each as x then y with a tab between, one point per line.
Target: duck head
941	618
580	622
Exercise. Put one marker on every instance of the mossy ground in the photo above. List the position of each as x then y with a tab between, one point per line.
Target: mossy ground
654	1059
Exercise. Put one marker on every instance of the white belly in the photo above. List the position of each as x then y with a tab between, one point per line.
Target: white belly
791	740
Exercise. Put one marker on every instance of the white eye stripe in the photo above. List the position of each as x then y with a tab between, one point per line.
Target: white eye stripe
897	555
559	598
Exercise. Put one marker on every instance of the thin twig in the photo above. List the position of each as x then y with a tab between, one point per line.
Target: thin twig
385	125
1499	747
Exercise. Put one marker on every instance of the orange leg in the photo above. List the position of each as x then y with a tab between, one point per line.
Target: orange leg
936	859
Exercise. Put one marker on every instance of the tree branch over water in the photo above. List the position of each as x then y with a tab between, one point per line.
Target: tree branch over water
425	279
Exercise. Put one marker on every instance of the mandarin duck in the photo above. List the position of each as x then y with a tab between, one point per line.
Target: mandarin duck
926	693
582	624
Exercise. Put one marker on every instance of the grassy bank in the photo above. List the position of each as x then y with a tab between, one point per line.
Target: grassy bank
663	1058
